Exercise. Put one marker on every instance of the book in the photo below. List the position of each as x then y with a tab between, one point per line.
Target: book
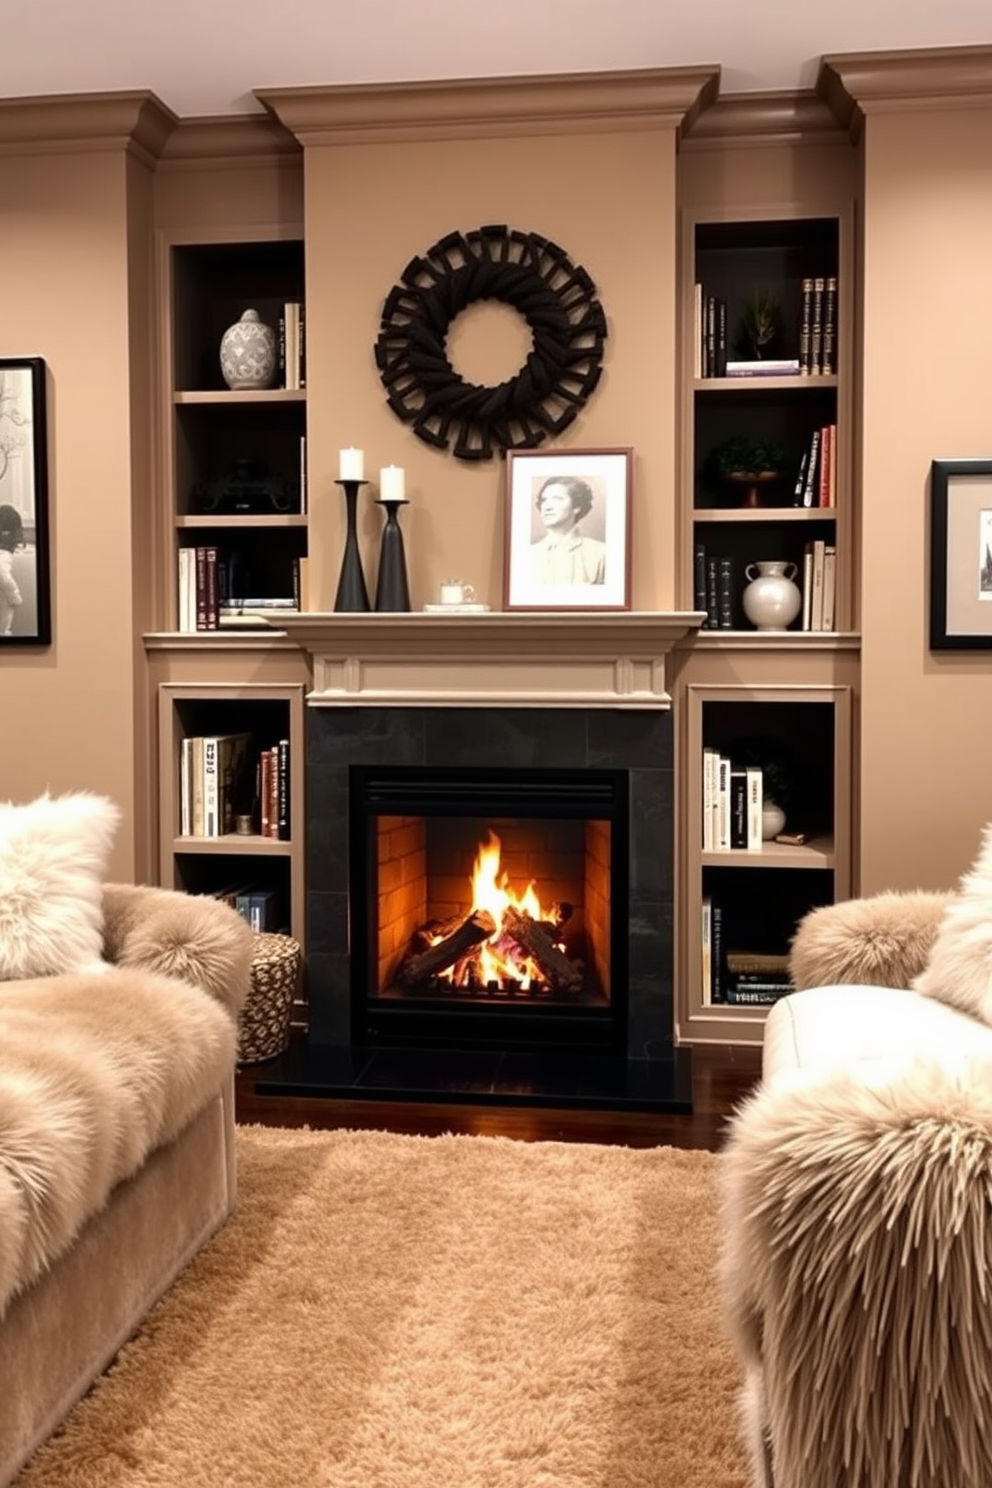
282	777
725	593
829	357
816	603
805	326
740	962
706	931
774	367
755	801
223	763
800	486
716	953
738	807
829	587
756	996
697	336
712	596
699	581
709	799
807	586
816	329
812	469
723	803
823	476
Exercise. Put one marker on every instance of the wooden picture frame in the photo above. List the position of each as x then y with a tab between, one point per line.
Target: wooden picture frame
961	555
25	601
568	529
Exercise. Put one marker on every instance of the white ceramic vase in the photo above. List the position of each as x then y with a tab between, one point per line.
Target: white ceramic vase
248	353
772	820
771	600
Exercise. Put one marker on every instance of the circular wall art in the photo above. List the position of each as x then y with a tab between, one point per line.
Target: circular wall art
533	276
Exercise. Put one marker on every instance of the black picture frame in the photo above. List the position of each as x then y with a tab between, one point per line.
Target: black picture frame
961	555
25	596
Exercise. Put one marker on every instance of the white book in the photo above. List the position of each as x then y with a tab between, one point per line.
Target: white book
709	813
829	588
187	590
697	331
211	791
755	801
723	808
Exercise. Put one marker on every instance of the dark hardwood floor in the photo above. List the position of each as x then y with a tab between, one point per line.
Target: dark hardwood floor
721	1077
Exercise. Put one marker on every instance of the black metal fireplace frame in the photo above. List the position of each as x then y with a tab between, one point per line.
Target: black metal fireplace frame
521	792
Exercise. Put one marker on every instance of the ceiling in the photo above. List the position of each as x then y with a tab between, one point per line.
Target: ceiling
206	56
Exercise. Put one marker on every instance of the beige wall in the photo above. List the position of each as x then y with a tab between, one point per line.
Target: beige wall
68	711
608	200
926	717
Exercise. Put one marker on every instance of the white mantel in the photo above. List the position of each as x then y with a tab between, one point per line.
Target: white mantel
518	659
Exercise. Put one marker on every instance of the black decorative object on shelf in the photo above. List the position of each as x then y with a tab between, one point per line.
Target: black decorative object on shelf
392	590
249	489
533	276
352	595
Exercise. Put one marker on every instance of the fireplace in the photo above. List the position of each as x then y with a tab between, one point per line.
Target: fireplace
489	906
595	784
431	742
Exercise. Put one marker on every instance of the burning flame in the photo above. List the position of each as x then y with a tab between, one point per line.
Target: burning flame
500	958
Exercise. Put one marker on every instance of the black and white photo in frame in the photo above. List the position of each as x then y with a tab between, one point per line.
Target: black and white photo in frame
25	611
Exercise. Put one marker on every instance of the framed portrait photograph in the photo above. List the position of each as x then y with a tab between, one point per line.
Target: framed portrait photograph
568	529
25	606
961	555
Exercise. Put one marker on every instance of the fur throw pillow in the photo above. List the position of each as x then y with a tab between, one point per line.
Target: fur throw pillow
53	860
959	971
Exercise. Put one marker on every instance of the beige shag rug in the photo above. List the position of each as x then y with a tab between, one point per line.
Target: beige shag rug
429	1312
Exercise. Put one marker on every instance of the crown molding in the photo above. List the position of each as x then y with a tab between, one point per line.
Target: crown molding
480	108
222	138
748	119
137	122
856	84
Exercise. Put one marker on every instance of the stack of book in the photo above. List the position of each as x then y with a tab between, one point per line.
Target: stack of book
732	800
219	779
819	585
207	600
291	350
816	478
818	326
258	905
738	977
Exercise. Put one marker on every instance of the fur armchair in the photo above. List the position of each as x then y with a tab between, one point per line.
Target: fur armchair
116	1137
856	1259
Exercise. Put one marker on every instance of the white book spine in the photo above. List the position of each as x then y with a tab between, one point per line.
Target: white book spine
829	588
816	616
707	949
185	788
723	813
708	812
211	793
755	800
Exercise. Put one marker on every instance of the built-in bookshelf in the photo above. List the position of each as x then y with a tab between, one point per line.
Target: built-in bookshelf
765	476
236	457
231	793
744	896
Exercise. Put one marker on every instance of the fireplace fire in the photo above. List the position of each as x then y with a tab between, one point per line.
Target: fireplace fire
496	926
508	943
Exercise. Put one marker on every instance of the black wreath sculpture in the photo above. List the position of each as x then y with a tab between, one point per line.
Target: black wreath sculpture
536	278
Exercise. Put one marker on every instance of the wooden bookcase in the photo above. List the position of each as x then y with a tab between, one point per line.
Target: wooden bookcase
789	693
227	448
207	865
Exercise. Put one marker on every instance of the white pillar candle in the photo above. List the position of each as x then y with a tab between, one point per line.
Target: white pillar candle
351	464
392	483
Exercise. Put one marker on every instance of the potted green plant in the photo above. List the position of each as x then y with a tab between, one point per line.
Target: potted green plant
750	462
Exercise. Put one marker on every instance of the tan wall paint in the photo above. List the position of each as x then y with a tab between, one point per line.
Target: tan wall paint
68	711
926	717
609	202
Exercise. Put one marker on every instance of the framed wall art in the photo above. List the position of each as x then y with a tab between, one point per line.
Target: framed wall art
568	529
25	605
961	555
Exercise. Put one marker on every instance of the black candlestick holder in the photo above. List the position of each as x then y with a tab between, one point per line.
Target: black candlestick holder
352	594
392	591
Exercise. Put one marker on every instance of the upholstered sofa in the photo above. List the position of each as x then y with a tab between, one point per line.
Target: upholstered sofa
116	1136
856	1264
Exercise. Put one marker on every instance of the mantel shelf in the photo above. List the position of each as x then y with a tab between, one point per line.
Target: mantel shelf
513	659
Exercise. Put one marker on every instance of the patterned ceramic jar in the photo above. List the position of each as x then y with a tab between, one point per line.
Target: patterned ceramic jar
248	353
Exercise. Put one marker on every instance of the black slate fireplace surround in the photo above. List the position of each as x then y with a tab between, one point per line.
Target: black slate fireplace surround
465	744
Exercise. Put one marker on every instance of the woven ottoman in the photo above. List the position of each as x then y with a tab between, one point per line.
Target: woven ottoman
263	1026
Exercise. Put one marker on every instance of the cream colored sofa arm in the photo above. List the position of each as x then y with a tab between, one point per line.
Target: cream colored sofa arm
188	936
881	941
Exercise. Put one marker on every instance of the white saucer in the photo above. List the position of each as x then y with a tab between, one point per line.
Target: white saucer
458	609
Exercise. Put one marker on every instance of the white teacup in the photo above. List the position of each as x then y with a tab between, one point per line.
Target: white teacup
454	592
